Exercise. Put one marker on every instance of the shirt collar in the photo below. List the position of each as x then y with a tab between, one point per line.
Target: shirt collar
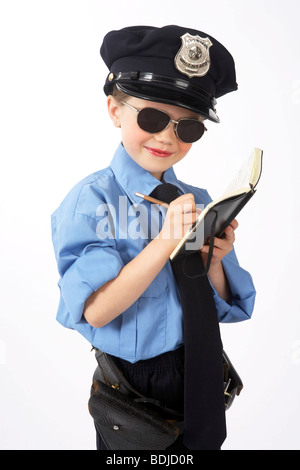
133	178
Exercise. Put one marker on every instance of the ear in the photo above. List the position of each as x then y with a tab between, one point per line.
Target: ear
113	107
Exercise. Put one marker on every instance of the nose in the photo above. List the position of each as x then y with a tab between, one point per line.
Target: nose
167	135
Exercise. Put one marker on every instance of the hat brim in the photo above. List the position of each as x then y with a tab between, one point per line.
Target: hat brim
168	95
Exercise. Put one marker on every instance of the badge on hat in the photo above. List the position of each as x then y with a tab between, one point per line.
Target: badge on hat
193	58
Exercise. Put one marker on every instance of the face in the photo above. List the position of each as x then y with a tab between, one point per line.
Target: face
154	152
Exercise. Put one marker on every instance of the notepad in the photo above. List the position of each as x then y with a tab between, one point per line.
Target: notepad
223	210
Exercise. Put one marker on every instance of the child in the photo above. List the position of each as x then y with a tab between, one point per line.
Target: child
118	287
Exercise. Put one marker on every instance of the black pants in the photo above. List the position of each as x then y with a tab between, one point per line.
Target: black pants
160	378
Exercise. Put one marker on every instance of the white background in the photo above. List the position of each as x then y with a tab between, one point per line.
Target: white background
55	130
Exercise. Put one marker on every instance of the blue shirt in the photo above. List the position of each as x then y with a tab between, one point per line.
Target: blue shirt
93	239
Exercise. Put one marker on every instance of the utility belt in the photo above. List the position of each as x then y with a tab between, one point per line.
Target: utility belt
127	420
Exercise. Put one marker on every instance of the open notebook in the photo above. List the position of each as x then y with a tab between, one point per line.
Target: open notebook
224	209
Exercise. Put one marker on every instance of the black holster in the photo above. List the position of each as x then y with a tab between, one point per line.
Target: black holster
124	418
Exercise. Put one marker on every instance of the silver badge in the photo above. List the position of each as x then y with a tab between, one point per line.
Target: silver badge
193	57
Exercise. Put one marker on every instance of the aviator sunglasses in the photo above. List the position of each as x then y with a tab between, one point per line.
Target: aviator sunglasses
153	120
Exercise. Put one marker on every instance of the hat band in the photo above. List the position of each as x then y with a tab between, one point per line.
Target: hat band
163	80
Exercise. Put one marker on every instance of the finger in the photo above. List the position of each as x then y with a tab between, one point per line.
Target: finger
188	219
234	224
184	198
187	202
217	253
224	244
182	205
229	234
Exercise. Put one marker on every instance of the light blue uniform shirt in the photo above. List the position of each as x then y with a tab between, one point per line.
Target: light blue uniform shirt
96	232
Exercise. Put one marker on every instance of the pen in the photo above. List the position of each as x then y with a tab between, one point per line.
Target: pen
152	199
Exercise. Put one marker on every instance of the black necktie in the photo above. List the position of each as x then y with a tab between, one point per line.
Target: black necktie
204	406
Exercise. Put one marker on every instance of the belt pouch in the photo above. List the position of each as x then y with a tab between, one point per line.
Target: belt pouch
125	419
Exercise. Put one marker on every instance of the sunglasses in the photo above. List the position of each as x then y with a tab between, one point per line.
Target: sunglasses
153	120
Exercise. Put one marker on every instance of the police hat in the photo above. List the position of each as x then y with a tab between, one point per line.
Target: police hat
174	65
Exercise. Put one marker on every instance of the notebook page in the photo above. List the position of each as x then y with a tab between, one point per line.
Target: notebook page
242	178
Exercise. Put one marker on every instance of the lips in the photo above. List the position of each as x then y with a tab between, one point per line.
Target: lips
158	152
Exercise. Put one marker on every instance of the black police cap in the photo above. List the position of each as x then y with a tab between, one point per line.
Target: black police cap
172	64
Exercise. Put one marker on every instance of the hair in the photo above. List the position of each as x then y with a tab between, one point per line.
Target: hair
119	95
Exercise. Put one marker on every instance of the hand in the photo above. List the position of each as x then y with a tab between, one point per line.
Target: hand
181	214
222	246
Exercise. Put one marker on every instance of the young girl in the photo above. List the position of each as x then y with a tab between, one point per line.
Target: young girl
118	288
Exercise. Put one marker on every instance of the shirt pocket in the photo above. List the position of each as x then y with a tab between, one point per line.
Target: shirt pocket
152	318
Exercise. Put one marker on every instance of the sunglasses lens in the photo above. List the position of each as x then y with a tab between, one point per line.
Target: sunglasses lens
152	120
190	130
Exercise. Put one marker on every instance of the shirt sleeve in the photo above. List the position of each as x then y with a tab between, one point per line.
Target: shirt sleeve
85	262
241	304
